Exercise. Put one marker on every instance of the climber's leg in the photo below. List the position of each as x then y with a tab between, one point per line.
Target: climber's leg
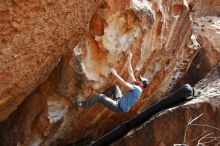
103	99
88	102
111	104
113	90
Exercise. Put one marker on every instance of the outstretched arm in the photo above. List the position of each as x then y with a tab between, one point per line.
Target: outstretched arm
121	80
130	70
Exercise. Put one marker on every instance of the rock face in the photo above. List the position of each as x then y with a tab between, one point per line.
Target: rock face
199	121
206	28
204	7
54	50
34	35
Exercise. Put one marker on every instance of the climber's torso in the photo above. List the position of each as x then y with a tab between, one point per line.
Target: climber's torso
129	98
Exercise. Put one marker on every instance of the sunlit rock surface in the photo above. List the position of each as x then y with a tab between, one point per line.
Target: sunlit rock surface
33	37
60	49
202	115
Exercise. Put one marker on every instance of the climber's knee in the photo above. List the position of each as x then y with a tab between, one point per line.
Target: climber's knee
100	96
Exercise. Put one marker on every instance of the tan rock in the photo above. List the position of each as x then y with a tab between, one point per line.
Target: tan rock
206	30
204	7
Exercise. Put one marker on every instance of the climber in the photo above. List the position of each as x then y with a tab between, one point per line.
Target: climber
121	103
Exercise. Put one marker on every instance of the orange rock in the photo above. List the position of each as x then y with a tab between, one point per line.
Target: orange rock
54	50
34	35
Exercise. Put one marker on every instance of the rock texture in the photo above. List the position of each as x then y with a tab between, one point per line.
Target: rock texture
33	37
199	121
54	50
204	7
207	30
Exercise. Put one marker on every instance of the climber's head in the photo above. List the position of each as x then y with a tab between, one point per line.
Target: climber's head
144	81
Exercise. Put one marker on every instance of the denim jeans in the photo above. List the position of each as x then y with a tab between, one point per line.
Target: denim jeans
105	99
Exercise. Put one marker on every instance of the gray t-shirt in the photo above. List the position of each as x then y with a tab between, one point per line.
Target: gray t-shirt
129	98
